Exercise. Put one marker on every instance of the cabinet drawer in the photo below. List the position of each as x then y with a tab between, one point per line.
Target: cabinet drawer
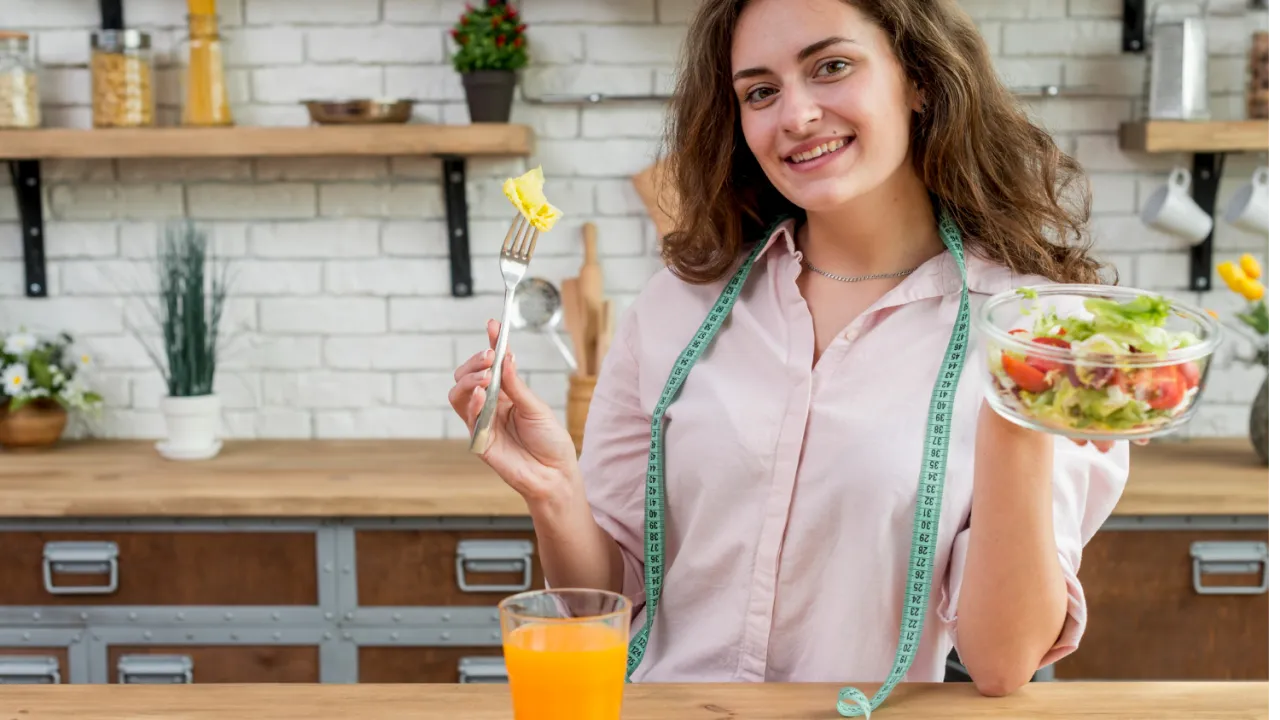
431	664
158	568
33	665
175	664
444	567
1147	621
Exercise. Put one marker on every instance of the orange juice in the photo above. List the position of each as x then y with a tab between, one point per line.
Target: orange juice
561	670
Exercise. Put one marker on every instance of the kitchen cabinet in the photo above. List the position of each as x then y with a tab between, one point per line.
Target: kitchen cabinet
39	655
1173	605
447	568
383	561
239	663
427	664
83	567
34	665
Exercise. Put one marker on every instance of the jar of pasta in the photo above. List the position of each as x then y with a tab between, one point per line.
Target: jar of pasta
123	79
19	96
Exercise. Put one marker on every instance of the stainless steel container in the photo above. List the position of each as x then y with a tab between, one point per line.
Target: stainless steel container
1179	84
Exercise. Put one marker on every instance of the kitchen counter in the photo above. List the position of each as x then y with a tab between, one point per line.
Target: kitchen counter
643	702
421	478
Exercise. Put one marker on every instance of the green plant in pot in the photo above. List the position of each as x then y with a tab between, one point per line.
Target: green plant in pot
43	383
191	297
491	47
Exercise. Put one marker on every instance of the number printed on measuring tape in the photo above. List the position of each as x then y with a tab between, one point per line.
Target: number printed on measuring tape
851	702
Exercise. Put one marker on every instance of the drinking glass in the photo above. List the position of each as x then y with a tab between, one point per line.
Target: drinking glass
566	653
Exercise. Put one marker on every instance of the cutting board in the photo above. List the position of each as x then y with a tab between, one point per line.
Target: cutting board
658	196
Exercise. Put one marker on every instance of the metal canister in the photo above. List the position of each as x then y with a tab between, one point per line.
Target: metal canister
1179	85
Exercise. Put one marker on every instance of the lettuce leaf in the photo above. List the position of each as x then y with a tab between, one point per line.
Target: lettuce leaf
1138	322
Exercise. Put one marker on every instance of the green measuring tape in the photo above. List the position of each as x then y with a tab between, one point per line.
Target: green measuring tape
933	468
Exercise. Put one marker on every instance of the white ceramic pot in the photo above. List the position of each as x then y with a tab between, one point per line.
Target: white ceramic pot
192	424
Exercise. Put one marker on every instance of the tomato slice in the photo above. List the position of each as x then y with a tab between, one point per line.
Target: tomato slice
1054	341
1163	387
1024	375
1044	364
1191	374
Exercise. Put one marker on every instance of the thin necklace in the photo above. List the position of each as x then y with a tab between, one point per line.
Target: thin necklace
856	278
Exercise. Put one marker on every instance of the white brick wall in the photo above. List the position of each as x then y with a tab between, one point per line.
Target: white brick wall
343	324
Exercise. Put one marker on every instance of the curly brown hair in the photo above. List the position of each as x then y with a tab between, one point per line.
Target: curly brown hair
1017	198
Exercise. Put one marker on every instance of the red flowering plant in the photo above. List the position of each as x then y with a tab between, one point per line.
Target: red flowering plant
489	37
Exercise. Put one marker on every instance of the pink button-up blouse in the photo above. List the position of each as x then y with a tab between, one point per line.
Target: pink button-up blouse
791	487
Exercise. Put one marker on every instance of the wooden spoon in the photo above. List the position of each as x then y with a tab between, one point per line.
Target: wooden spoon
604	337
591	286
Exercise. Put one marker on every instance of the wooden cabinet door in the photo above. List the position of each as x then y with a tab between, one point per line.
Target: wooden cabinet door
158	568
1146	621
444	567
30	665
427	664
214	663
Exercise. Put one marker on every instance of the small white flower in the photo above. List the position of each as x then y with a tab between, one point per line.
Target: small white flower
85	360
19	343
15	379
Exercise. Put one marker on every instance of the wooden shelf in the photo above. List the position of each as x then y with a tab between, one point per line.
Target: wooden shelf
1158	136
177	142
25	149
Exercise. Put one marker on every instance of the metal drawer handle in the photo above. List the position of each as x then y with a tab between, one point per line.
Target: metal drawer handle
494	556
483	669
1228	558
81	558
29	670
154	669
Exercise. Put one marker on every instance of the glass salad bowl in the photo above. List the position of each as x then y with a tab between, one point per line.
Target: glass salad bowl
1095	362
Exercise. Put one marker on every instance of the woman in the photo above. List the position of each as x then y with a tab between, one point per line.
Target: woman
826	146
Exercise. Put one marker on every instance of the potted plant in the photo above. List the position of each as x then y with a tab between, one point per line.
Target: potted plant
491	47
190	304
1245	279
42	382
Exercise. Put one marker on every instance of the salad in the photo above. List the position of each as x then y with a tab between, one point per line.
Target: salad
1108	370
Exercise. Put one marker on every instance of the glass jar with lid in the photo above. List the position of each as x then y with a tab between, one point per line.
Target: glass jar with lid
19	92
123	74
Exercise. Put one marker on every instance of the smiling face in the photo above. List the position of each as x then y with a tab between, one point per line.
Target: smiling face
825	106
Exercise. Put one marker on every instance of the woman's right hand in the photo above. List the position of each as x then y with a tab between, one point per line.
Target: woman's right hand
528	447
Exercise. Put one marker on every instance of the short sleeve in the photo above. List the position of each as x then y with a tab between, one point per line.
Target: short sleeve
1087	484
615	454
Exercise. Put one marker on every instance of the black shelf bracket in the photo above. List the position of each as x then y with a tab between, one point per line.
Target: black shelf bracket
1206	172
1134	35
455	203
26	190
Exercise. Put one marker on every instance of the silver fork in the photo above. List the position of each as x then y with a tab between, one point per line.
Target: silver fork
517	250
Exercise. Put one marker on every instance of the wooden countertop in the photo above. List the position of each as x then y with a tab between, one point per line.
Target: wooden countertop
263	478
952	701
1219	476
408	478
